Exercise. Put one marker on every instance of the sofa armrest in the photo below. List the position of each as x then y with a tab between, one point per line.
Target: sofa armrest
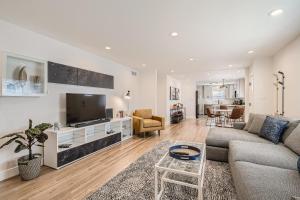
239	125
161	119
138	123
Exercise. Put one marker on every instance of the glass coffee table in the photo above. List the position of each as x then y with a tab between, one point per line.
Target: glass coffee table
188	173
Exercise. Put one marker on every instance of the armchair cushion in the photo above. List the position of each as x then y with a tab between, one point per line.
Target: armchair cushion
151	123
143	113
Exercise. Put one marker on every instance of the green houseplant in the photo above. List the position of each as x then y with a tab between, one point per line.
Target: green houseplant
29	165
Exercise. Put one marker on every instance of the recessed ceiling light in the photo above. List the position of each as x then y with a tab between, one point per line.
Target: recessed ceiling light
174	34
108	48
143	65
191	59
250	52
229	65
276	12
172	71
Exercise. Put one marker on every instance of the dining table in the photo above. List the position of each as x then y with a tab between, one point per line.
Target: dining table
224	113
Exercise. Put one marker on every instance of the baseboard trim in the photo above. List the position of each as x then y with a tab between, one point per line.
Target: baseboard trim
6	174
190	117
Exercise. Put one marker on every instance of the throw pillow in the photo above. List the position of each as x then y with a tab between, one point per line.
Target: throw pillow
257	124
291	126
293	140
273	129
250	120
298	164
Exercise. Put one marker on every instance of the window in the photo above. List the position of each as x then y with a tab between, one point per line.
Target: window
218	93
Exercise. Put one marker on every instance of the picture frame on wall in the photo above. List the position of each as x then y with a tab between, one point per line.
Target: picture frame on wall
174	93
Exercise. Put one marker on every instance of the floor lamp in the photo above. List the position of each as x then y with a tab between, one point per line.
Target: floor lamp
127	96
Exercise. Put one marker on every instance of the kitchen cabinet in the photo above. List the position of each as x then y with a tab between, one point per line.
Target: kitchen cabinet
208	92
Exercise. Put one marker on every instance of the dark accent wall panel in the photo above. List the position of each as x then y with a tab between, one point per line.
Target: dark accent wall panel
58	73
94	79
73	154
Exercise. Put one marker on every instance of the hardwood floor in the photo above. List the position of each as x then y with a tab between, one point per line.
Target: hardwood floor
78	180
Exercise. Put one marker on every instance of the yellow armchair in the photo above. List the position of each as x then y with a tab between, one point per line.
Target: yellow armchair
144	121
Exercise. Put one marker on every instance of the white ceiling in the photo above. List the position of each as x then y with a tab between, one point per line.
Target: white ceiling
216	33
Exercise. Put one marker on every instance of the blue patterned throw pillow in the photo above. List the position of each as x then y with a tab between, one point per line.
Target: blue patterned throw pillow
298	164
273	129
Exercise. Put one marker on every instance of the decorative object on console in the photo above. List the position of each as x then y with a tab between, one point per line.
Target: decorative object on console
29	165
273	129
57	126
121	114
109	113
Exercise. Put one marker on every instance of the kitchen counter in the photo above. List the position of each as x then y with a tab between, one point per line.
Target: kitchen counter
231	106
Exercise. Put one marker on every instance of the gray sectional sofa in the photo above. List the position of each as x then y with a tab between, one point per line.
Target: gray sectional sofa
261	170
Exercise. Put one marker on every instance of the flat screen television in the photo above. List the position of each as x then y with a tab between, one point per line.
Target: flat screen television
85	107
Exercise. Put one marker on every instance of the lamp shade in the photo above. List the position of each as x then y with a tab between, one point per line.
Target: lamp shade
127	95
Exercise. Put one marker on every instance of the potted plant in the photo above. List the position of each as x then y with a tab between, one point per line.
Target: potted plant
29	165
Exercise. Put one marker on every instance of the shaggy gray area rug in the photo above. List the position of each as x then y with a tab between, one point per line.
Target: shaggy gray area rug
136	182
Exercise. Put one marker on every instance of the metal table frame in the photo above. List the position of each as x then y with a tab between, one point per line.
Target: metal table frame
166	170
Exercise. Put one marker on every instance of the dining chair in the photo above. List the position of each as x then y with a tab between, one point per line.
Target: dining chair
210	116
242	110
235	115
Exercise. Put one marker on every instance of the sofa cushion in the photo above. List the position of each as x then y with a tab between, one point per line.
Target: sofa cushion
144	113
291	126
257	124
273	129
293	140
253	181
220	137
151	123
263	154
250	120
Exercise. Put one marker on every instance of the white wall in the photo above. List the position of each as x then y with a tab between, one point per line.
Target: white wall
172	82
15	111
262	98
188	97
287	60
148	89
163	95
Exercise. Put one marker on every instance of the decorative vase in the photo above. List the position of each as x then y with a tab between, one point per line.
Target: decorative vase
29	169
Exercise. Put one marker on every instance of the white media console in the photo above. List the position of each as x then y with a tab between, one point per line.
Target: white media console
84	141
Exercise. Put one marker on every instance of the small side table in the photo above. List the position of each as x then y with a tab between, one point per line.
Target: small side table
190	168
